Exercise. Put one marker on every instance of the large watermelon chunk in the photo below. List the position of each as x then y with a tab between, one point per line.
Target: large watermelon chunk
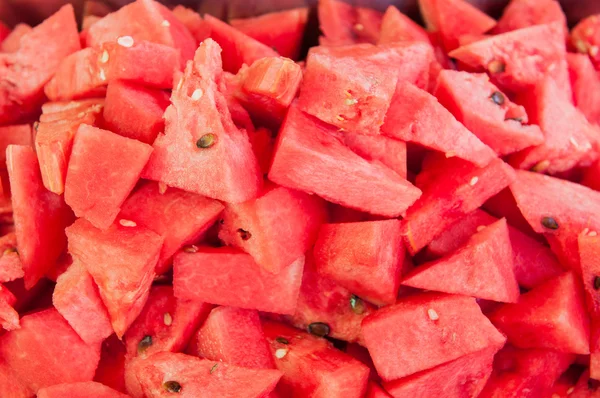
585	37
276	228
165	373
77	299
520	14
227	276
364	257
312	367
585	81
179	217
396	26
283	31
589	252
40	216
47	351
426	330
388	151
200	135
360	81
121	260
235	336
108	165
80	390
311	156
342	23
165	323
415	115
551	316
486	111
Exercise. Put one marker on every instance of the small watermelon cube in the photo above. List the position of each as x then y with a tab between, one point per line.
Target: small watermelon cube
342	23
80	390
396	26
585	37
388	151
520	14
586	86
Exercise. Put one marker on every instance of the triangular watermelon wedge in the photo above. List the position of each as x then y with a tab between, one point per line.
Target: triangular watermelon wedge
482	268
520	14
396	26
389	151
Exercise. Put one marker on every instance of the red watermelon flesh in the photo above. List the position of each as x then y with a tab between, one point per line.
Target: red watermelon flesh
589	251
390	152
503	205
227	276
165	323
360	82
364	257
585	387
520	14
80	390
396	26
179	217
234	336
426	330
40	216
229	86
585	81
25	72
454	18
196	378
591	176
585	37
551	316
341	23
198	115
9	318
459	189
263	141
283	31
97	158
482	268
121	260
46	351
323	165
53	111
375	391
360	353
193	22
312	367
417	116
12	42
4	31
486	111
111	368
10	383
19	134
462	377
11	267
276	228
77	299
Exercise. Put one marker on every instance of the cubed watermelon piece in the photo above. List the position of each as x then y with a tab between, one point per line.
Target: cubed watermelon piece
396	26
311	156
462	377
390	152
312	367
342	23
97	158
275	228
165	323
200	135
111	368
426	330
165	373
121	260
46	351
520	14
519	60
457	190
589	252
12	42
77	299
585	81
551	316
134	111
364	257
227	276
19	134
10	383
11	267
417	116
360	81
454	18
179	217
40	216
486	111
283	31
80	390
234	336
24	73
585	37
9	317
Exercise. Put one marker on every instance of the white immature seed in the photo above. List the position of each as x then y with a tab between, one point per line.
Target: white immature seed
480	228
280	353
125	41
593	233
197	94
351	101
165	23
573	142
473	181
104	57
570	390
162	187
127	223
450	154
102	75
359	27
432	314
167	319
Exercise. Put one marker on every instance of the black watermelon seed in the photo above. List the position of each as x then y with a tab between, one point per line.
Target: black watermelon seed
497	97
206	141
319	329
172	386
245	235
549	223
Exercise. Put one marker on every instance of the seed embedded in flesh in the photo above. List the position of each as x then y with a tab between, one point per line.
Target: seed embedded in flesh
282	340
497	97
206	141
432	314
144	343
167	319
319	329
245	235
550	223
280	353
125	41
357	305
172	386
496	66
214	367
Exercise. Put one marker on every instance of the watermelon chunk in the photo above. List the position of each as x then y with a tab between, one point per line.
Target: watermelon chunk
283	31
388	151
47	351
312	367
235	336
111	368
77	299
11	267
415	115
156	210
454	18
360	82
276	228
426	330
20	134
364	257
164	373
589	250
40	216
121	260
550	316
80	390
586	85
227	276
341	23
585	37
396	26
487	112
520	14
200	135
323	165
165	323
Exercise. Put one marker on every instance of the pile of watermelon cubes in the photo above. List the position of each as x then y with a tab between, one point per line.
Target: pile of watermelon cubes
195	208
